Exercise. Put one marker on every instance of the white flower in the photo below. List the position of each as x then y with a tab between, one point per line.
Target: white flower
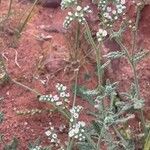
76	14
115	17
106	15
71	133
70	13
52	140
75	115
79	8
109	9
101	34
123	2
48	133
52	100
71	120
72	111
59	103
54	136
76	136
114	12
67	95
86	8
82	123
52	128
64	88
57	85
104	33
82	130
100	31
96	106
76	130
62	94
56	98
99	39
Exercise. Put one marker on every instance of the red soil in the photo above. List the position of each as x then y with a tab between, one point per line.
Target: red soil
38	60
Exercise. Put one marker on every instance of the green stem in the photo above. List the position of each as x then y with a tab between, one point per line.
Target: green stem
75	88
98	59
98	54
120	136
133	67
70	140
90	141
70	143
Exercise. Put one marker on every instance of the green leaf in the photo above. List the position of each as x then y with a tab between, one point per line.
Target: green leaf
12	145
102	67
140	55
110	89
85	93
115	55
1	117
97	127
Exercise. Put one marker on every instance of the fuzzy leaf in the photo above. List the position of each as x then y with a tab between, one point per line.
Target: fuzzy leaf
114	55
1	117
102	67
139	56
85	93
97	127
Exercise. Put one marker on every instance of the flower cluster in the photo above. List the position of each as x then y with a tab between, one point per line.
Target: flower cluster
111	10
57	100
37	148
98	102
77	131
101	34
79	15
68	3
52	136
77	127
62	92
75	112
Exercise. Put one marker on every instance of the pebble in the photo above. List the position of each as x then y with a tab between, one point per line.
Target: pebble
51	3
44	3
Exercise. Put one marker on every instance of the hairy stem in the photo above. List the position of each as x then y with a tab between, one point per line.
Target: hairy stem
98	54
26	87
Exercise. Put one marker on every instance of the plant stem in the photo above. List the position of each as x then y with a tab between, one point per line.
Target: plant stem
66	114
120	136
70	141
75	88
22	25
133	67
77	41
98	54
9	9
90	141
98	59
26	87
